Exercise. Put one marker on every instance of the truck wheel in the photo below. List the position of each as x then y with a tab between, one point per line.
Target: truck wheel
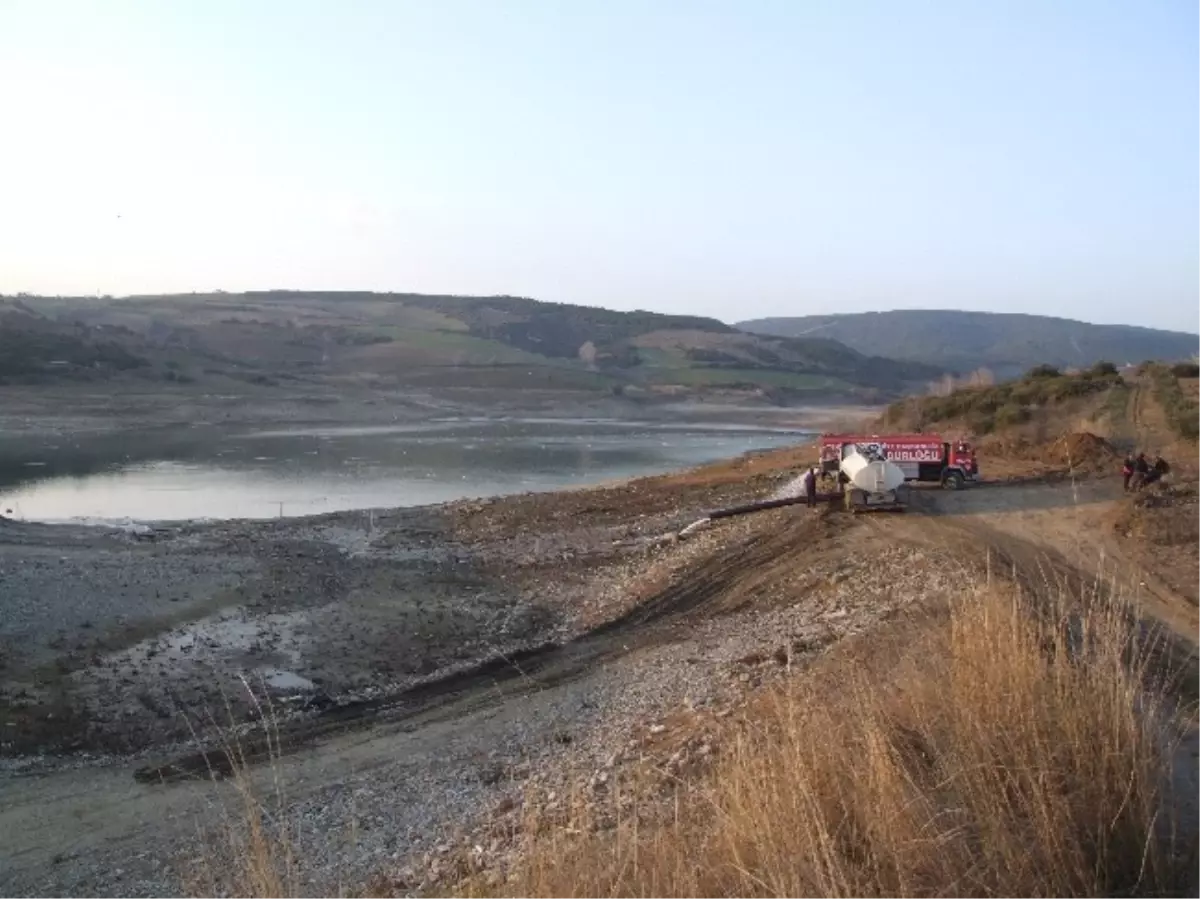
953	480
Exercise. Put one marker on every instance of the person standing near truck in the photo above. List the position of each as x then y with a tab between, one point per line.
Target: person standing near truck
810	486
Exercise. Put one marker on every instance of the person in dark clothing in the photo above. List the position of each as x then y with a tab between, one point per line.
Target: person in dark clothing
1141	468
810	486
1157	470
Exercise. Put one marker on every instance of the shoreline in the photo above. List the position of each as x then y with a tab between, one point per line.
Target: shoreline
124	600
464	656
115	650
50	440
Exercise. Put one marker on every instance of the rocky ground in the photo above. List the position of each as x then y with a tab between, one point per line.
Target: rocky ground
429	675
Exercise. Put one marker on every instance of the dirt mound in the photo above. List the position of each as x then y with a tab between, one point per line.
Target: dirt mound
1083	450
1080	451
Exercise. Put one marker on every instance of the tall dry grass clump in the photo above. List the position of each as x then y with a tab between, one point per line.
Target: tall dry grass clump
981	751
252	849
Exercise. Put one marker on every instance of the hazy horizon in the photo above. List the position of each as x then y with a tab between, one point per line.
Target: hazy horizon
737	161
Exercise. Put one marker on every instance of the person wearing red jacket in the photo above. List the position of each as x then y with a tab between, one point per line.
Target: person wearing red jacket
1127	471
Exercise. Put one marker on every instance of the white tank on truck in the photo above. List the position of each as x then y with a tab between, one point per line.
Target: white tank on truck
875	475
869	479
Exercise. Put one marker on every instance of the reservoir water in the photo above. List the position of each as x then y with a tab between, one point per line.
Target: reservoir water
215	473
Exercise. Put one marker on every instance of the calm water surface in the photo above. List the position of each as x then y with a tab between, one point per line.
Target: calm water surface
213	473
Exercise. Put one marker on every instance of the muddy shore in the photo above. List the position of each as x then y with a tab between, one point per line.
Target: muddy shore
430	667
97	409
122	650
120	641
356	617
589	627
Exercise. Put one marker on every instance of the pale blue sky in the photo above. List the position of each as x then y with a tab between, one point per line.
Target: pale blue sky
733	159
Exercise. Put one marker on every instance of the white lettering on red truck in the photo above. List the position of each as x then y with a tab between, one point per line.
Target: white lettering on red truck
918	451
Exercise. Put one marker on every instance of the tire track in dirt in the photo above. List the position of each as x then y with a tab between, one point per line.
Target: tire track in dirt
1041	569
713	587
991	553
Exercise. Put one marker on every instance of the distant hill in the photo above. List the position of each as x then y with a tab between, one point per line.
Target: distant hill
433	342
34	346
1007	343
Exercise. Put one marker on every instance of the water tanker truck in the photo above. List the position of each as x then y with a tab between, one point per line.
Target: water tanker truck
921	457
869	479
869	470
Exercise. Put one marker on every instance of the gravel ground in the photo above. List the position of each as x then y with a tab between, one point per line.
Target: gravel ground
403	793
651	634
384	802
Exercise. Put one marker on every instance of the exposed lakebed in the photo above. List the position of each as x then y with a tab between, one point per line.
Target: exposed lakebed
232	472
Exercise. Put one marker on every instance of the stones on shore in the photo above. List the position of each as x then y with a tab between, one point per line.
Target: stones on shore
557	755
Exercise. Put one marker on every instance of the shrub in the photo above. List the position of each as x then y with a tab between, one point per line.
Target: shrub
979	406
981	422
1011	414
1186	370
1182	412
1044	371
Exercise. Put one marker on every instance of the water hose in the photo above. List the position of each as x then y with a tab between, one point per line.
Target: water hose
746	509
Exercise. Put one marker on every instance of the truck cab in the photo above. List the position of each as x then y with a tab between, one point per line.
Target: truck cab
961	464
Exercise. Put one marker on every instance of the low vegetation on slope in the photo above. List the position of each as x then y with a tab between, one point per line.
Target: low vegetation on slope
495	342
32	348
1175	390
957	754
1007	343
988	408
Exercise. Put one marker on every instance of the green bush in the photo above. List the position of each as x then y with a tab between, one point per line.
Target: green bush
1044	371
981	422
1009	403
1186	370
1011	414
1182	412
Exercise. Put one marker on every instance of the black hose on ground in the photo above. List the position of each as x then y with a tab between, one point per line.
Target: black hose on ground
764	505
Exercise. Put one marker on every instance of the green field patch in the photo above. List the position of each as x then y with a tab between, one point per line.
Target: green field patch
415	318
508	377
457	348
699	376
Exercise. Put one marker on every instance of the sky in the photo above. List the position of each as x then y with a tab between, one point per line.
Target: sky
733	159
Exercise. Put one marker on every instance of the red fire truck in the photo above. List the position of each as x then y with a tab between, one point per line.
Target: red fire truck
922	457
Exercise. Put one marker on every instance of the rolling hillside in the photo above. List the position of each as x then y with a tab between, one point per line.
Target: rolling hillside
1007	343
31	343
1044	396
439	342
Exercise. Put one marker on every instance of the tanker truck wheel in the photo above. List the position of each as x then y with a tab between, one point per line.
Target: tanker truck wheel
952	481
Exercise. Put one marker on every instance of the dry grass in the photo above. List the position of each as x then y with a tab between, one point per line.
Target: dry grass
1002	745
252	851
982	751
